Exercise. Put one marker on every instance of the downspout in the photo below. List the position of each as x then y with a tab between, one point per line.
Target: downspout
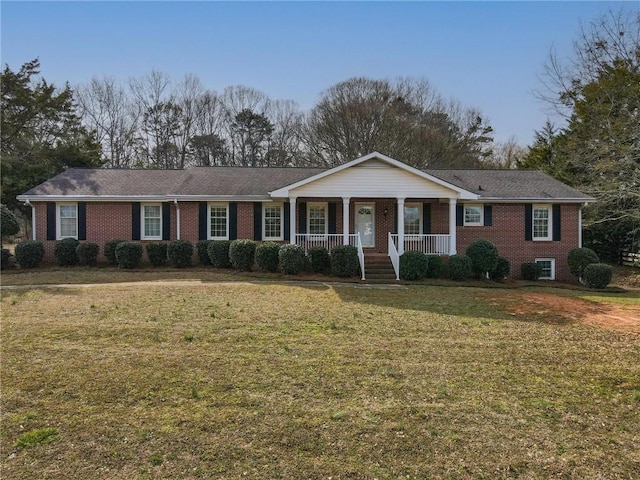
33	218
580	224
175	202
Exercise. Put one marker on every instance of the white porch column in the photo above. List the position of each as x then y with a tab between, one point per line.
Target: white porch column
400	226
175	201
292	220
452	226
33	219
345	220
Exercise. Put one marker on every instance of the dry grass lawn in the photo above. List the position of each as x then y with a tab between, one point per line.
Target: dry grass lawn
274	381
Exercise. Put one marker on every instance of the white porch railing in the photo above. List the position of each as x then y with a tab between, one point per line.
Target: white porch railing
328	241
429	244
394	256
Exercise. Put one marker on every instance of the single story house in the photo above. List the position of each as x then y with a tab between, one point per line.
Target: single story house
376	203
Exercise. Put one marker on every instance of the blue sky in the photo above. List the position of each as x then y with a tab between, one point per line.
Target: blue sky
486	55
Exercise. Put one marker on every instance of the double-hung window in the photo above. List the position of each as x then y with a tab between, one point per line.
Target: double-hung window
67	220
542	222
272	221
317	218
412	219
473	215
218	221
151	221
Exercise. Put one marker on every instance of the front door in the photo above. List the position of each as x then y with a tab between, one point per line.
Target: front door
365	225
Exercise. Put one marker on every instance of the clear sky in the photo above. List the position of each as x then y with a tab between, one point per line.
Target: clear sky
485	54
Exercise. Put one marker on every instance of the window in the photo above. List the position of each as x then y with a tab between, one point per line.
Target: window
67	220
548	268
151	221
542	222
317	218
218	221
272	221
412	219
473	215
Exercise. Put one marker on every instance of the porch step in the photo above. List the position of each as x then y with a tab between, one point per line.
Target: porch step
378	269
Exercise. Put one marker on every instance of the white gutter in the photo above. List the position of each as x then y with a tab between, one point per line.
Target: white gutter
175	202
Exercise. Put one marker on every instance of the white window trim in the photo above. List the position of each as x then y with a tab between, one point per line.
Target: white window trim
420	217
325	205
264	221
217	204
58	222
143	235
549	236
479	223
553	267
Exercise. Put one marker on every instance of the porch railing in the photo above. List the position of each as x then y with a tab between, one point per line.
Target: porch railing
394	256
328	241
429	244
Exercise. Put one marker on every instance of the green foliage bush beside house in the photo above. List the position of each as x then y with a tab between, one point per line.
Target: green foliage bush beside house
179	253
267	256
29	253
218	251
291	259
156	253
344	261
110	250
242	254
579	259
414	265
87	253
598	275
319	260
460	267
129	254
65	252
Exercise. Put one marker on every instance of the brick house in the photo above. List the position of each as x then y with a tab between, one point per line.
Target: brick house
378	204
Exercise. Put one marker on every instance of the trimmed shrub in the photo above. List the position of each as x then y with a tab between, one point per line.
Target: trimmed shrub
344	261
598	275
501	271
414	265
6	255
460	267
29	253
436	266
129	254
8	222
319	260
65	252
483	255
291	259
530	271
202	248
579	259
179	253
87	253
110	251
218	251
267	256
242	254
156	253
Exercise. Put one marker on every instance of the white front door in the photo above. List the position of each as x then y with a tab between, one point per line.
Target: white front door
365	224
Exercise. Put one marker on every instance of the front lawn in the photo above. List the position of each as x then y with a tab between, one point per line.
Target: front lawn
275	381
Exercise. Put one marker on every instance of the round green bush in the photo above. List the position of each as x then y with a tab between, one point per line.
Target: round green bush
218	251
65	252
267	256
179	253
291	259
579	259
460	267
414	265
6	255
202	248
87	253
319	260
501	270
110	251
242	254
436	266
156	253
344	261
29	253
9	224
483	255
598	275
129	254
530	271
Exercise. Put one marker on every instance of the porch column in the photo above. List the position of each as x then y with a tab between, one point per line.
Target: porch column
400	226
33	219
452	226
292	220
345	220
175	201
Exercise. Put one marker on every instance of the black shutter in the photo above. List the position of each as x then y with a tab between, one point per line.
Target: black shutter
51	221
332	218
426	218
287	222
233	220
202	221
302	216
257	221
459	215
135	221
395	218
556	222
166	221
488	215
82	220
528	222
